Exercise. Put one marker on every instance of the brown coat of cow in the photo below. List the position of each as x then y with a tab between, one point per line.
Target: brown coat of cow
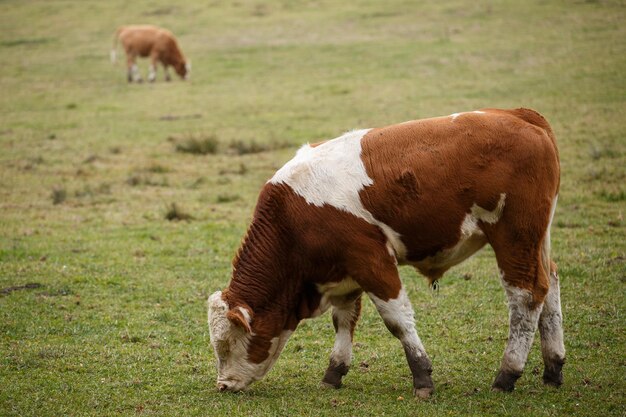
336	220
158	44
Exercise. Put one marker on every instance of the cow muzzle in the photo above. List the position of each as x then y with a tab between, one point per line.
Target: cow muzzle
230	386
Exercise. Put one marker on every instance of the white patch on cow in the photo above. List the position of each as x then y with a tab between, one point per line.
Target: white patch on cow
342	349
546	245
489	216
398	315
334	174
151	73
331	290
278	344
134	70
187	70
339	288
523	319
471	239
551	322
455	115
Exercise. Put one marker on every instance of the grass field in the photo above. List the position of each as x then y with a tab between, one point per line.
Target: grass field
113	321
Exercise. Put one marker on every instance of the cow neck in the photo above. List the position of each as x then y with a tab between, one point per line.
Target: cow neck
262	272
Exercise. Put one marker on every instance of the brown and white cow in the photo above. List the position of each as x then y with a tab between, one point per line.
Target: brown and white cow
335	221
158	44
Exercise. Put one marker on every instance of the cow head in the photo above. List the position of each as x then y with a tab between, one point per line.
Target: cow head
233	337
183	69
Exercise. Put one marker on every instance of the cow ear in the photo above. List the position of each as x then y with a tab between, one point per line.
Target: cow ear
240	316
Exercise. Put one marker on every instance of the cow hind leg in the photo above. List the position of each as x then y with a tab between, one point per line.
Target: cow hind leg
523	318
346	311
525	281
551	330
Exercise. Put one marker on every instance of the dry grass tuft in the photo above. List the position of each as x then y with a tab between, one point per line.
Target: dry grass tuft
197	144
175	213
59	195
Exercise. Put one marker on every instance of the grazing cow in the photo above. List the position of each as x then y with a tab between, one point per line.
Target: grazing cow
154	42
335	221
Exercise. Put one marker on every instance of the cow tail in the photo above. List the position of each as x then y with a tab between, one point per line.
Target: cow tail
113	53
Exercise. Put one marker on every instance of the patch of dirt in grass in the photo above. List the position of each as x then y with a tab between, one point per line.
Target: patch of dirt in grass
29	286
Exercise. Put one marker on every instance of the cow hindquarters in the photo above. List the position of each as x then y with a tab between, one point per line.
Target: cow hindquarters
346	312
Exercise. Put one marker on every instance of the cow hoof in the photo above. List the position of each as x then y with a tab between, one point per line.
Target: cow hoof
552	373
505	381
328	385
334	373
423	393
553	379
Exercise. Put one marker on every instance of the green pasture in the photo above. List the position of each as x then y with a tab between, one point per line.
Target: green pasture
103	299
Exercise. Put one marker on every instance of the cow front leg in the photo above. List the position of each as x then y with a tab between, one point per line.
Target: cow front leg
133	74
346	311
154	59
551	330
397	313
167	73
151	73
133	70
524	314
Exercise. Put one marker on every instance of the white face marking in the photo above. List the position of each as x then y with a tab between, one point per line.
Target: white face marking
334	174
230	343
523	324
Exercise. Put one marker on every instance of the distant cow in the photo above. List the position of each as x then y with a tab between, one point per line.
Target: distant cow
154	42
335	221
